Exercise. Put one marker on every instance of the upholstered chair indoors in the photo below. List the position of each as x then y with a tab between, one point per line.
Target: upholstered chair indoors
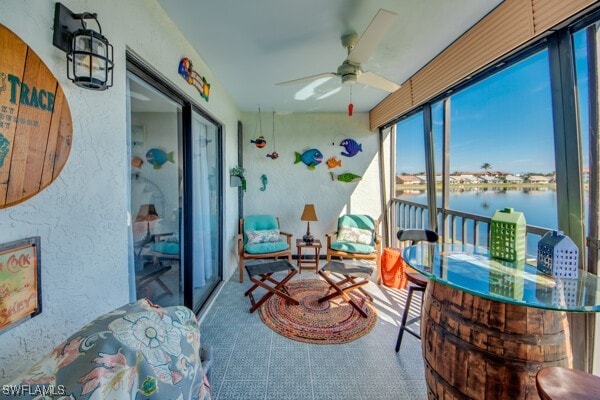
356	237
261	238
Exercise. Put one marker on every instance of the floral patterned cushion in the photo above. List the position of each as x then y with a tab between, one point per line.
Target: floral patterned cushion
355	235
138	351
263	236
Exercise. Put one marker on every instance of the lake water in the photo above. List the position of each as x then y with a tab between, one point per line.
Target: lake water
537	204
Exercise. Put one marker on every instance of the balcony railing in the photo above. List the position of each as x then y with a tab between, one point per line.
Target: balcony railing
453	226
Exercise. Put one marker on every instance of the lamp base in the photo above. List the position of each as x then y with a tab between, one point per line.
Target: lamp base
308	238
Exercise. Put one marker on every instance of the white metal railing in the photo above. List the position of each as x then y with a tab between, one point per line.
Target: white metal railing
453	226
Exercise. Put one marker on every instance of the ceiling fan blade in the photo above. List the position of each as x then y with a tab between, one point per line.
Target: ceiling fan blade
371	37
307	79
372	79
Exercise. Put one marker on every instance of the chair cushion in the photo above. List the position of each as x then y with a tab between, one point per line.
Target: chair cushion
356	221
355	235
353	247
260	222
165	247
263	248
266	236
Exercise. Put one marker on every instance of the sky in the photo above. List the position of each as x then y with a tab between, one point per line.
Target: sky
504	120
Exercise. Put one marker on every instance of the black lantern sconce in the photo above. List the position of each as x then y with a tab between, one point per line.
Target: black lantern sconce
89	54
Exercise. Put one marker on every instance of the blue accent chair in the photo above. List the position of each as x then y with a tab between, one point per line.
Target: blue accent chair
356	238
260	238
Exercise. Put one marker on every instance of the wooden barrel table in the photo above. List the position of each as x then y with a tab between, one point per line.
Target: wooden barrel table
476	348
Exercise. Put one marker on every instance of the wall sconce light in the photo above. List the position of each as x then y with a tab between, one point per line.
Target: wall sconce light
89	54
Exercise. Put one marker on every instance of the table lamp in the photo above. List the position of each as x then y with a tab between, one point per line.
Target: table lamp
147	212
308	215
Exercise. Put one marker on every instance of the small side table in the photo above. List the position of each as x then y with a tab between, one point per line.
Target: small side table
308	263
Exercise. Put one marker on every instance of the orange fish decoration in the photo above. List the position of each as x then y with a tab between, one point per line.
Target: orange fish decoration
136	162
334	162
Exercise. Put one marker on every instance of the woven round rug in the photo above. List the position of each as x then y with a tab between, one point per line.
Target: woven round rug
331	322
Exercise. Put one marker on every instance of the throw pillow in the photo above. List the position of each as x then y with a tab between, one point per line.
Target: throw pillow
264	236
355	235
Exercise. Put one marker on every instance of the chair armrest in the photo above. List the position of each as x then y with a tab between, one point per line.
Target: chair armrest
158	237
329	236
240	240
288	237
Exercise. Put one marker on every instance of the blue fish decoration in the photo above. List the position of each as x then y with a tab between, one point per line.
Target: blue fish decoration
351	146
311	158
158	157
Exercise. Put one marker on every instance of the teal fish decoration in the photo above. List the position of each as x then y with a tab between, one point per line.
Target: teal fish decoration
158	157
4	143
264	180
311	158
347	177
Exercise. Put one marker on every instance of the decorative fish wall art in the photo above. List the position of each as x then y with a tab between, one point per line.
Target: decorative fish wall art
158	157
136	161
273	156
351	146
334	162
311	158
260	142
348	177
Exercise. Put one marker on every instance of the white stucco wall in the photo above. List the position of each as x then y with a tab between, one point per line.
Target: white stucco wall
291	186
82	216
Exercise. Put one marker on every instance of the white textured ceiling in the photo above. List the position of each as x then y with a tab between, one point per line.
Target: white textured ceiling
250	45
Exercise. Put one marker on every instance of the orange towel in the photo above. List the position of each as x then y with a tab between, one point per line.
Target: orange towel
392	268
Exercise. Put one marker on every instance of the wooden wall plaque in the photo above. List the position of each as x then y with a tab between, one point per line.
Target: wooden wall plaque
35	122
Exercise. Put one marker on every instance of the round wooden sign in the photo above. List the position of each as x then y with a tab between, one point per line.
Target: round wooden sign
35	122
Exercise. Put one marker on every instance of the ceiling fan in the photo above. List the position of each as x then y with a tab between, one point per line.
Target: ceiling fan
359	51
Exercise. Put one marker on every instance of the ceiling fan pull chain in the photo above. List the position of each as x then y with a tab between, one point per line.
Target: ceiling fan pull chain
350	106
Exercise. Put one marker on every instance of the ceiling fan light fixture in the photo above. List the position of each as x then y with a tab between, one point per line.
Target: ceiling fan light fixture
349	79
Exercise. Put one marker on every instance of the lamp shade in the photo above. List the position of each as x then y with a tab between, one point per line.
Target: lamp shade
309	213
147	212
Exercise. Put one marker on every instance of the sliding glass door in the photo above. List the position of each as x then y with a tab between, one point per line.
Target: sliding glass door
205	202
156	170
175	195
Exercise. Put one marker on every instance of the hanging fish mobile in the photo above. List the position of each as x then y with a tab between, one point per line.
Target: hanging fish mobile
260	142
273	156
351	146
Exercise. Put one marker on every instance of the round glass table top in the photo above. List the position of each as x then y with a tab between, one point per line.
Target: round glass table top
472	270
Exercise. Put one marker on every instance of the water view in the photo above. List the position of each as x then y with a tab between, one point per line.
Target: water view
537	204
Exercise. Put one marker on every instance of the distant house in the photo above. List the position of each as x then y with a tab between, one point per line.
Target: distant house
513	179
468	179
421	178
489	178
406	180
538	179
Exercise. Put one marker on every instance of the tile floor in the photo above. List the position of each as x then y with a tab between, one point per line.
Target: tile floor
252	362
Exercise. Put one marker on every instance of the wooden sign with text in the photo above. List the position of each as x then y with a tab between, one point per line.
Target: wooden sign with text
35	122
20	289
